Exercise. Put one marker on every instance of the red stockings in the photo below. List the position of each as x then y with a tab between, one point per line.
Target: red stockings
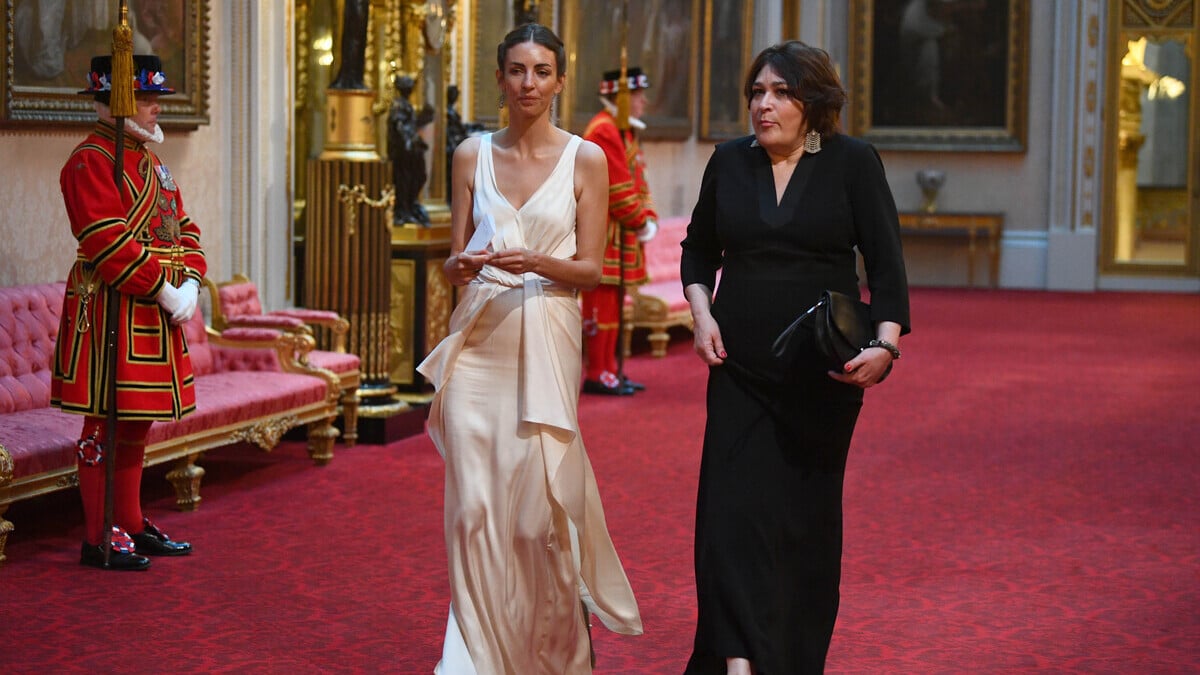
127	479
600	306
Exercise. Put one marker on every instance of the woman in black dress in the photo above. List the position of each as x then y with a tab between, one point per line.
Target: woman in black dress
780	214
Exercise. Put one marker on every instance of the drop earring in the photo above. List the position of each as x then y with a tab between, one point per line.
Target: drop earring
501	101
812	142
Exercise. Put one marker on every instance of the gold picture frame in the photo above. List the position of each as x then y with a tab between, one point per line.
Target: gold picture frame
662	41
729	26
940	76
491	20
47	58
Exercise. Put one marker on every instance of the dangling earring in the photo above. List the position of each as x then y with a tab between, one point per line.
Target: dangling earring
501	102
812	142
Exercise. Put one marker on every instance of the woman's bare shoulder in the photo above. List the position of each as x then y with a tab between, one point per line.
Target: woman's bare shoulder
590	155
463	164
469	148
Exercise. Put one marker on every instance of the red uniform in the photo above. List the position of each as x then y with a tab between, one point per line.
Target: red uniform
134	241
629	207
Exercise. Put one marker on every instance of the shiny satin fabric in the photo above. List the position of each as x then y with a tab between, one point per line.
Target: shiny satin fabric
525	532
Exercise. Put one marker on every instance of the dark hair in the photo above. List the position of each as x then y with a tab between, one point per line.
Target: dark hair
538	34
811	78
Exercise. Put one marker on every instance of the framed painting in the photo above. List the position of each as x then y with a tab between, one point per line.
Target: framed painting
729	27
662	40
49	44
491	20
940	76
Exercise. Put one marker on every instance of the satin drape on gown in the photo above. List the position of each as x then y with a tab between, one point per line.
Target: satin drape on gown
525	532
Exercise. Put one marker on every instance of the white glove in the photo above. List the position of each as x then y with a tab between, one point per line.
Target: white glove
180	302
648	231
170	298
191	291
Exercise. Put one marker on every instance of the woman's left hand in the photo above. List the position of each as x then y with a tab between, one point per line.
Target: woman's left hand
866	369
515	260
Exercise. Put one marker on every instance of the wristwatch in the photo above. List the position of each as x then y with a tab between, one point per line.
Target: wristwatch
884	344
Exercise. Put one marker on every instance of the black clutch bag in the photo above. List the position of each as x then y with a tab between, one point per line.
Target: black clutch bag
840	326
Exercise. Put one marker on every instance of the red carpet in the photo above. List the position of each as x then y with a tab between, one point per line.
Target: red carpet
1021	497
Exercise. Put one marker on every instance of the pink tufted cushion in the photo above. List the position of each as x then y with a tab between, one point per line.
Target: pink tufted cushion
302	314
40	440
232	398
28	330
338	363
231	358
240	303
267	321
43	440
198	348
663	251
239	299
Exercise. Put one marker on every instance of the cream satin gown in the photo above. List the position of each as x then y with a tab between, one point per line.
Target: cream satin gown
525	532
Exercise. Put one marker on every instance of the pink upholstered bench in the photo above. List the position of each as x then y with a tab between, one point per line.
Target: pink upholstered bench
250	386
235	303
660	305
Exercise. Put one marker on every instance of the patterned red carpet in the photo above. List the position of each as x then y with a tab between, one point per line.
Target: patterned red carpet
1021	497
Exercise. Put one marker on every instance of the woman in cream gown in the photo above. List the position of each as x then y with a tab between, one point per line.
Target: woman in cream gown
529	552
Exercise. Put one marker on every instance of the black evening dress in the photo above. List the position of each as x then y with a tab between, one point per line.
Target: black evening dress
769	509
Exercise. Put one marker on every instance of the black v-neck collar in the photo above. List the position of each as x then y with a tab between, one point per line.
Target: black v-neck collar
779	213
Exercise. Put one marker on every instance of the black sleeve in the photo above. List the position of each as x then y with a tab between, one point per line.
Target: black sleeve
877	228
702	251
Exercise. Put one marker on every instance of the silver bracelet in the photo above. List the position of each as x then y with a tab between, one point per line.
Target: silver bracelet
884	344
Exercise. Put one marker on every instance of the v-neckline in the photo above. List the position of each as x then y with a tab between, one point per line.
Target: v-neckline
773	209
533	195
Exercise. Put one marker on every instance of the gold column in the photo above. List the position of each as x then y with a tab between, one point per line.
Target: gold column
349	125
385	278
346	265
349	223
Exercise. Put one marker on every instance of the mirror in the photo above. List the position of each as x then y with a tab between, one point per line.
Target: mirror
1153	225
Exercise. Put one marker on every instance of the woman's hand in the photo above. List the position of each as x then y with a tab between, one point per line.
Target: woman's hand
706	340
706	334
462	268
866	369
516	260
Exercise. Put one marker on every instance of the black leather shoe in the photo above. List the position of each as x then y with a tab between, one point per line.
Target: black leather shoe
636	386
93	556
597	387
153	542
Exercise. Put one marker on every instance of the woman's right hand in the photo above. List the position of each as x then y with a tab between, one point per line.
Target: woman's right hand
462	268
706	340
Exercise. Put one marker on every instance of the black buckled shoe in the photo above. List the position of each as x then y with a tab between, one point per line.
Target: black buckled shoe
153	542
598	387
636	386
93	556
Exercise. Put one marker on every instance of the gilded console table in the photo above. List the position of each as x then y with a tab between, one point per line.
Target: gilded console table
422	300
989	224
